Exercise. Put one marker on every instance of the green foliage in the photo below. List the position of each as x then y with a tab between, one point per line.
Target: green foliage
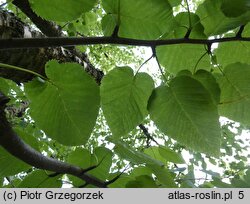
125	128
231	52
235	8
169	57
124	99
185	111
69	100
136	157
101	159
41	179
66	10
215	21
235	93
138	19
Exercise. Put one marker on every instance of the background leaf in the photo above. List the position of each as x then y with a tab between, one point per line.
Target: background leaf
66	10
142	19
10	165
235	93
169	56
41	179
235	8
66	107
215	21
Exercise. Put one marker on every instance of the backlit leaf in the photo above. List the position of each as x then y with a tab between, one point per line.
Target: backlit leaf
61	10
184	110
66	106
124	99
235	93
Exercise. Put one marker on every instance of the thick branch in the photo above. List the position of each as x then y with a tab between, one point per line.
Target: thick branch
15	146
73	41
34	59
48	28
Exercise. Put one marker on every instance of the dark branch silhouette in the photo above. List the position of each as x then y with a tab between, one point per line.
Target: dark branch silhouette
12	143
16	43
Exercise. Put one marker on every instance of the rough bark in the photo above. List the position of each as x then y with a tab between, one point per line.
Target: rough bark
34	59
48	28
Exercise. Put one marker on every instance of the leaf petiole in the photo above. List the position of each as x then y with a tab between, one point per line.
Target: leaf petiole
7	66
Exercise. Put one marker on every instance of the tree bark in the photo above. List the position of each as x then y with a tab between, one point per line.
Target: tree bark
35	59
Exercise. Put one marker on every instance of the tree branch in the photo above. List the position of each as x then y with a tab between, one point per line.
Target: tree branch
10	141
73	41
35	59
147	134
48	28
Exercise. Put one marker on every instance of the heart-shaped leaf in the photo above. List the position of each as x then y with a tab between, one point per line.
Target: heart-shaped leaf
186	112
124	99
66	106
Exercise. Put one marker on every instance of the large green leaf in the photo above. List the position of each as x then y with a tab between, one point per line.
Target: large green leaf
41	179
185	21
66	106
61	10
208	81
185	111
235	93
215	21
235	8
231	52
124	99
178	57
143	19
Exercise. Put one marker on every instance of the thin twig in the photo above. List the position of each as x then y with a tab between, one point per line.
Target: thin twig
145	62
197	63
158	63
117	177
94	166
147	134
189	21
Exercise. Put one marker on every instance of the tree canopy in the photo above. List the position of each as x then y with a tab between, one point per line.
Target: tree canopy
81	105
